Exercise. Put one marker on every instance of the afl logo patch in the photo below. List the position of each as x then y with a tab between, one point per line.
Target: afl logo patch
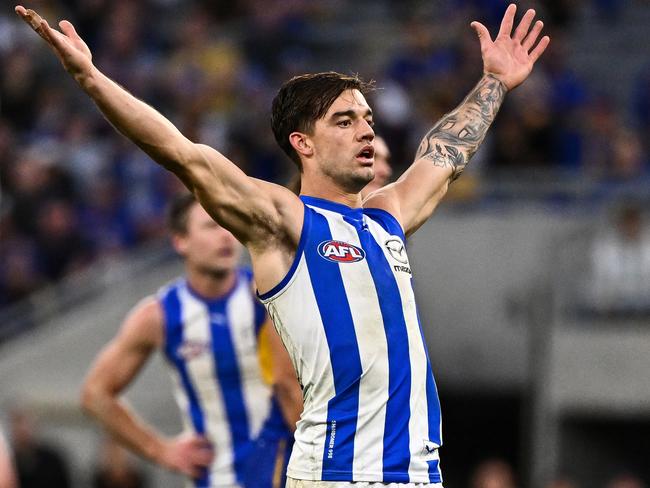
340	252
192	349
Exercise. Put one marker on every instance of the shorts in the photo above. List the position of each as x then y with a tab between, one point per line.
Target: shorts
293	483
266	466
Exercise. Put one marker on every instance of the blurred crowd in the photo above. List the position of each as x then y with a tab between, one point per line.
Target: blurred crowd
73	191
497	473
31	460
34	461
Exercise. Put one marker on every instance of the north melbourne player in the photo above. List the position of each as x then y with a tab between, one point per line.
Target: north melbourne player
331	267
219	345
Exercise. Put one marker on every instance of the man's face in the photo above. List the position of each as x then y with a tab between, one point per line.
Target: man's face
206	246
343	142
383	170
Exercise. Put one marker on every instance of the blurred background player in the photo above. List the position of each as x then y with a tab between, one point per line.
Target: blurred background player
382	167
214	335
115	468
39	464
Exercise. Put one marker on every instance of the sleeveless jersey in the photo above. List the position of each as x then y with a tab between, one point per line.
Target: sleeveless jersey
346	313
212	349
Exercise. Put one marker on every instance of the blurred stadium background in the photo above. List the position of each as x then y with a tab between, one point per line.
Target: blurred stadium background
533	277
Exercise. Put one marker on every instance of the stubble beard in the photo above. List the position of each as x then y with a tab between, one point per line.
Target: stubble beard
351	182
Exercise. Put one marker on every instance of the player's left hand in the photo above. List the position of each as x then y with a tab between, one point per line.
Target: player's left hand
510	58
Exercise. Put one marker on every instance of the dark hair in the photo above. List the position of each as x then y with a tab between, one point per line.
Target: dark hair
177	212
304	99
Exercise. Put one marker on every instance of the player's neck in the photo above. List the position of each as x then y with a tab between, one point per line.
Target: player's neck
331	192
211	285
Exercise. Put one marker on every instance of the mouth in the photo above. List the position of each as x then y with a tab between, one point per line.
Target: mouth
366	155
225	253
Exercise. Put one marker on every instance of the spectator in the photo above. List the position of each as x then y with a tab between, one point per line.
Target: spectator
619	278
115	469
38	464
627	480
7	475
562	482
493	473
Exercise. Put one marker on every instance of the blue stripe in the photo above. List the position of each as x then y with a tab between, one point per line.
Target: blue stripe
328	204
342	410
229	379
397	453
173	340
435	475
434	415
388	222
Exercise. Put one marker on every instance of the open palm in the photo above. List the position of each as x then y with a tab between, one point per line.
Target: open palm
67	45
510	57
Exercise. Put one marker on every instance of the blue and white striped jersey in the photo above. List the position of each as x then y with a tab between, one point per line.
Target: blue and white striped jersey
212	347
346	313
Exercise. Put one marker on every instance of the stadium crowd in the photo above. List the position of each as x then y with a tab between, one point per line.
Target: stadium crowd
73	191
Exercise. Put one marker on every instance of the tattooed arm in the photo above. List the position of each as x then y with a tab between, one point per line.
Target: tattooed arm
456	137
448	146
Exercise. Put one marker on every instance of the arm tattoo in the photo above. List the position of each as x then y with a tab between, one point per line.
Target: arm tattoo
456	137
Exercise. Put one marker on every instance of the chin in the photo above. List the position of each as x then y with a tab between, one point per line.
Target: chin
218	271
356	183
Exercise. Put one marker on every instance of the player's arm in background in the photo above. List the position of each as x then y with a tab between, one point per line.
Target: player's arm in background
285	383
114	369
253	210
451	142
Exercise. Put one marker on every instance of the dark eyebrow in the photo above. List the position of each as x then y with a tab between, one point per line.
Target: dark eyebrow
351	113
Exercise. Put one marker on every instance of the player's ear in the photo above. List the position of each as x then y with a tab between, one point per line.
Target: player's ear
179	243
301	143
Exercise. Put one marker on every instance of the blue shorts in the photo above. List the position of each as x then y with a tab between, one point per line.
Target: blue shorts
266	466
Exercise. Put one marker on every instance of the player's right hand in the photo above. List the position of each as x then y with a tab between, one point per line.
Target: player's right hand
71	50
189	455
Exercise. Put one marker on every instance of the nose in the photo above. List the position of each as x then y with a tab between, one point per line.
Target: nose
366	132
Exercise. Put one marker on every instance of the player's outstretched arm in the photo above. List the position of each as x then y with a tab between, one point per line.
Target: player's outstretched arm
247	207
448	146
114	369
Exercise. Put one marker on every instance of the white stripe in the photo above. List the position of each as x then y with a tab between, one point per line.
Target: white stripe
304	337
418	420
240	310
202	373
182	400
373	351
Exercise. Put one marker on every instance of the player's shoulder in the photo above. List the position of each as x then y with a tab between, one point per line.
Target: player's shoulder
144	323
382	206
169	288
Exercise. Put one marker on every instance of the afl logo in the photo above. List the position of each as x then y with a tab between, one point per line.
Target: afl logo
340	252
